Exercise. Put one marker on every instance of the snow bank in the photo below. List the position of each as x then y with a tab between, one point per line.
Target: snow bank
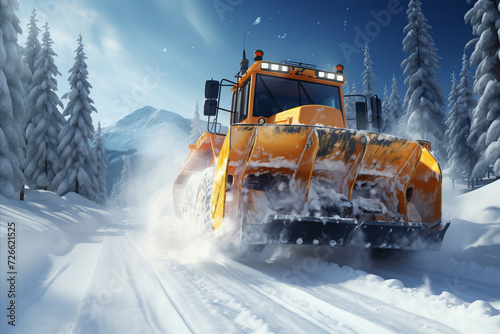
55	248
475	231
481	206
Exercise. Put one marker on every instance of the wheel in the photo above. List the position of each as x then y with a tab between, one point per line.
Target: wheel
189	203
187	208
203	199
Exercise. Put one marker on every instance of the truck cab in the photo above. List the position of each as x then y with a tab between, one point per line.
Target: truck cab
282	93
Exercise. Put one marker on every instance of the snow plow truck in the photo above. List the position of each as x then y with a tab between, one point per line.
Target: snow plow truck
290	171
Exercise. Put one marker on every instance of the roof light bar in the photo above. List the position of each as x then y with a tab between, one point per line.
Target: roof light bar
330	76
274	67
286	69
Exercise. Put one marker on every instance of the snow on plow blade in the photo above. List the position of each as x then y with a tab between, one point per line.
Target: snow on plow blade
283	229
323	185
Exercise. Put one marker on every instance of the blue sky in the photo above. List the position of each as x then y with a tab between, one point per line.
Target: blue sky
160	52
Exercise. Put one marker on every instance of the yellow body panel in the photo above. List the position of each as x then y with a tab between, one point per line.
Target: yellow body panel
427	184
310	115
217	206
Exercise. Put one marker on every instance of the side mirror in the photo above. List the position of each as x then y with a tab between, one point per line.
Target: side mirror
210	108
211	89
361	116
376	105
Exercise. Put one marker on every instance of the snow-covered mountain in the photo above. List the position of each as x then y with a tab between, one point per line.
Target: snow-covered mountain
147	136
148	130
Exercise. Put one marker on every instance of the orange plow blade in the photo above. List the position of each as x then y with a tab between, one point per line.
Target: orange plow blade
322	185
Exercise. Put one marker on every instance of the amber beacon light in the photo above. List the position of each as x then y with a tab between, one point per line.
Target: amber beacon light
257	55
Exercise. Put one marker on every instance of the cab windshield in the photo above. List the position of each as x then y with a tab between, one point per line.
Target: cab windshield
276	94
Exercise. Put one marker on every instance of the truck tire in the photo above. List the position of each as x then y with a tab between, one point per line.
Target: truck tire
189	197
203	199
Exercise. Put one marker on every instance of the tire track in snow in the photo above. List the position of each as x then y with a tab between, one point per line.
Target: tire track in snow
295	301
253	291
123	295
352	312
165	290
212	302
244	306
441	312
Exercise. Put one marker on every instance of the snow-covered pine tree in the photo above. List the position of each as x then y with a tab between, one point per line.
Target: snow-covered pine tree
350	105
485	131
32	46
45	120
119	193
346	91
75	154
368	80
451	123
424	102
30	53
196	128
452	99
12	110
462	156
385	109
100	167
394	109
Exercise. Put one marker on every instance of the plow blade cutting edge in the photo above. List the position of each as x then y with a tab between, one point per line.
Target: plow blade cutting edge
284	229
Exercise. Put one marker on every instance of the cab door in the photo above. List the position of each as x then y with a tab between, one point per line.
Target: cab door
240	103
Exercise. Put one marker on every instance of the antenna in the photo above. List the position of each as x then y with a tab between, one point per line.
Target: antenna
244	61
244	40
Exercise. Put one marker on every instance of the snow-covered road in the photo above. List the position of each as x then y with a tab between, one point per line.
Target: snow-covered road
83	269
296	293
